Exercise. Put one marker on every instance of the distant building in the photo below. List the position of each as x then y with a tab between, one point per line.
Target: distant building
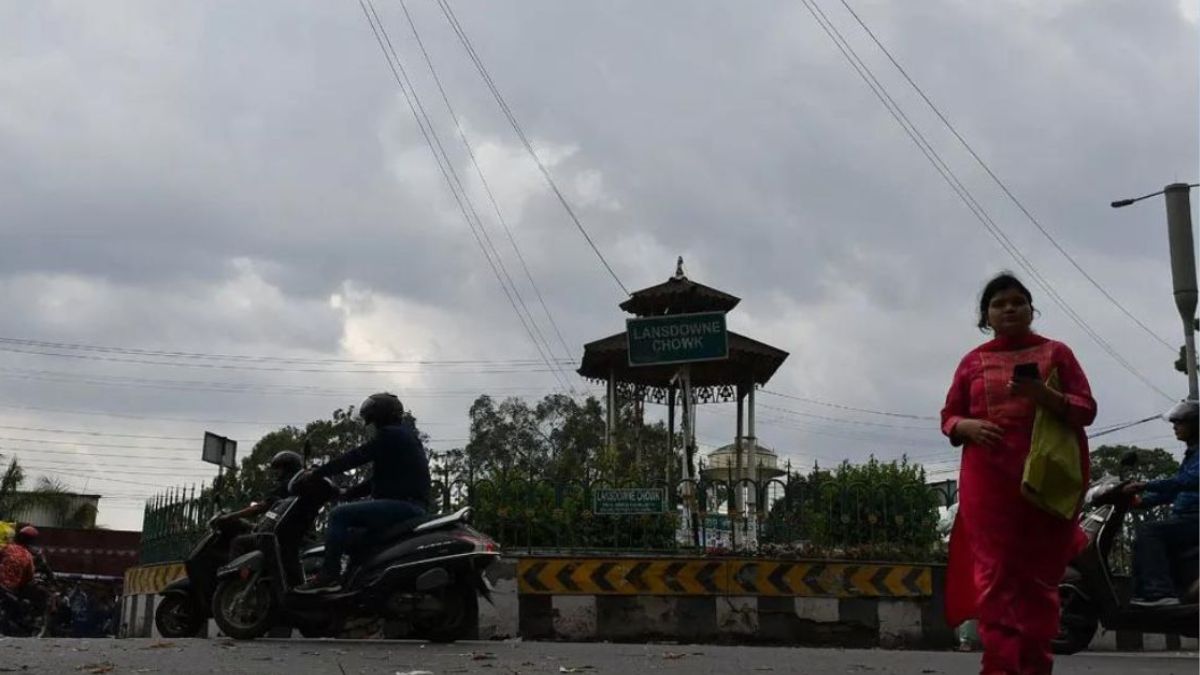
71	510
90	553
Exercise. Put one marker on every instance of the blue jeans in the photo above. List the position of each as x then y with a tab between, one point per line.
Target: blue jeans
372	515
1156	545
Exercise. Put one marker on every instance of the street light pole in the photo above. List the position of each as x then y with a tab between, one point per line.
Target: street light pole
1183	272
1183	266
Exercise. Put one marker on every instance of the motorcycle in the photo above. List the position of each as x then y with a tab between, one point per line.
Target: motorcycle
26	613
424	574
1088	595
186	603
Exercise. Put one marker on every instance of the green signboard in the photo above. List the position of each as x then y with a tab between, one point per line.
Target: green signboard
677	338
716	521
628	501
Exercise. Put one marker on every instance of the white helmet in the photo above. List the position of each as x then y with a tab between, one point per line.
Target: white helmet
1187	410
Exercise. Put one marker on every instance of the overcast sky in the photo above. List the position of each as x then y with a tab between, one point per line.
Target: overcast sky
247	179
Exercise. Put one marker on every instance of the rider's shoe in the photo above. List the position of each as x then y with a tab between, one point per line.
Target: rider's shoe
1157	602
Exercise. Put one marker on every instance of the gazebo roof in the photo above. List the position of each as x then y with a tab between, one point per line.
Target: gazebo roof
749	360
678	295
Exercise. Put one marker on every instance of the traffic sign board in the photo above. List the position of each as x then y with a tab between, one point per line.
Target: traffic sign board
677	338
219	450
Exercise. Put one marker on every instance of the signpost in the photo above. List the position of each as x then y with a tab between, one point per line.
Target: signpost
219	450
677	338
628	501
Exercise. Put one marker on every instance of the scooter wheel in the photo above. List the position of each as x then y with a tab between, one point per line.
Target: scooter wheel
177	616
459	619
244	609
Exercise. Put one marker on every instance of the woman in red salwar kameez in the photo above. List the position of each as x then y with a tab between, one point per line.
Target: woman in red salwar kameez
1006	555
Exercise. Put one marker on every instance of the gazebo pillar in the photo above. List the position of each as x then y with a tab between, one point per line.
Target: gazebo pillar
610	421
735	488
670	433
752	540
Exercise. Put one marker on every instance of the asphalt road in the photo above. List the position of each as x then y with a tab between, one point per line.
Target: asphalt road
333	657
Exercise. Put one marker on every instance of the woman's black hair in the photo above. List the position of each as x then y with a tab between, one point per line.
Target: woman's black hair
1005	281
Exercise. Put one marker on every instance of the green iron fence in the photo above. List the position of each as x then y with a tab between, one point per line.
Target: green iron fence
173	522
790	516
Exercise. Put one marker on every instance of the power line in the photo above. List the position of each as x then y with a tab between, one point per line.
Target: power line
98	413
99	433
446	167
862	437
150	472
483	179
231	387
59	472
477	370
841	420
122	446
961	190
1001	183
448	12
841	406
257	358
299	425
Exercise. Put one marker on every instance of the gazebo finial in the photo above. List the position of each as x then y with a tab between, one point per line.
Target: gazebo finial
679	269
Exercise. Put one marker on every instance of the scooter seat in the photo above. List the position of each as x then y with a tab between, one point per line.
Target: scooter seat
403	528
365	540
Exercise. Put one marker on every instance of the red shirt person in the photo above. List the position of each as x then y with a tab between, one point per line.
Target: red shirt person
1006	555
16	560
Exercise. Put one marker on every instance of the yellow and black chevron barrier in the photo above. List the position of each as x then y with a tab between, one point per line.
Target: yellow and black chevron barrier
633	576
149	579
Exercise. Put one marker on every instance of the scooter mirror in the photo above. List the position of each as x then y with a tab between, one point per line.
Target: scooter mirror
1129	459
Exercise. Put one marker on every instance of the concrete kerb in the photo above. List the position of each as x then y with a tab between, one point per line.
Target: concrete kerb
749	601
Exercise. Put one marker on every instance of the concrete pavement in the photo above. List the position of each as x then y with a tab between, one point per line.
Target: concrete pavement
334	657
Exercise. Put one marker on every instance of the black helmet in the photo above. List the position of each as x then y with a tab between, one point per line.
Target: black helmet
1184	411
286	464
381	409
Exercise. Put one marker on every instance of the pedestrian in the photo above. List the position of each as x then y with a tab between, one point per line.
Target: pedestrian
1007	556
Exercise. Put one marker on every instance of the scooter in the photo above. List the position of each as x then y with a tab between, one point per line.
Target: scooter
1088	595
425	574
185	604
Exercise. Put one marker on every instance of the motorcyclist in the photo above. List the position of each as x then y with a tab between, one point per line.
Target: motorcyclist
17	570
283	467
16	560
1158	542
399	486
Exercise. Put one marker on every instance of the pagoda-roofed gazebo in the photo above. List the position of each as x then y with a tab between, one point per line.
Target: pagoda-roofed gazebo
748	365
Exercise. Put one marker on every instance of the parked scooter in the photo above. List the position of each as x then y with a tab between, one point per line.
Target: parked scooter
425	573
186	603
1089	597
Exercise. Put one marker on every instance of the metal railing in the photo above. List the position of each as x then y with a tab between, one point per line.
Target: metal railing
791	516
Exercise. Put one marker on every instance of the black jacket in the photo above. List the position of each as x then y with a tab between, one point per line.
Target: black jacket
401	468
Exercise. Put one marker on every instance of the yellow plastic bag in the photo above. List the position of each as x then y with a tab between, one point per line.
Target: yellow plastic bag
1053	479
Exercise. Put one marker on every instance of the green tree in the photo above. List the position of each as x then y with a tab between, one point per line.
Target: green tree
562	439
881	510
1153	463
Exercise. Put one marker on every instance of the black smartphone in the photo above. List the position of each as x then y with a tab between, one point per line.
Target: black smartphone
1026	371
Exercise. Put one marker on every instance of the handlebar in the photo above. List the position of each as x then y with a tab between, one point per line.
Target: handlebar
1111	494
